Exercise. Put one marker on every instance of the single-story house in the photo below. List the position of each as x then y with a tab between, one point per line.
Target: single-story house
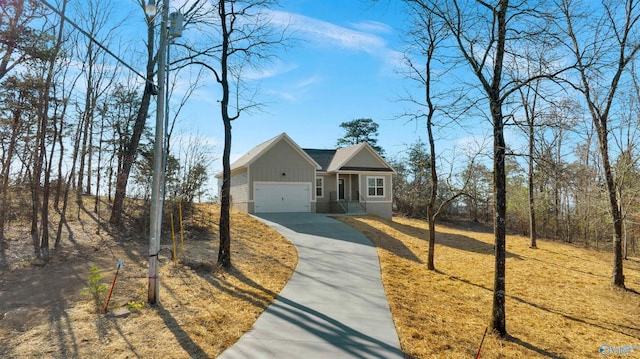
280	176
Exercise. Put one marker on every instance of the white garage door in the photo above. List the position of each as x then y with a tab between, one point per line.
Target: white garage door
282	197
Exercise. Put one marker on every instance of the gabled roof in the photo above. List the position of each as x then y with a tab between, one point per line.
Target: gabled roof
247	159
344	155
335	160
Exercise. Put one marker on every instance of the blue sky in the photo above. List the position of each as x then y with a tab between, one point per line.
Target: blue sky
343	66
345	63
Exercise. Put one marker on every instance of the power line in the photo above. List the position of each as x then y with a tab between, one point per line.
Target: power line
65	18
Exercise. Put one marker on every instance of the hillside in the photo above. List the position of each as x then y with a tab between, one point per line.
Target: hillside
202	311
559	301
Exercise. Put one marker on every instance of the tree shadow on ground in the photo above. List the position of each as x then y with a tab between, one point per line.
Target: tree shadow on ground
532	347
384	241
130	345
60	324
182	337
35	299
633	332
455	241
548	263
464	225
309	320
101	223
260	299
4	263
465	243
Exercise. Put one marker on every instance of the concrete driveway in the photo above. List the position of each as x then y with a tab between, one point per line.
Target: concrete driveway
334	305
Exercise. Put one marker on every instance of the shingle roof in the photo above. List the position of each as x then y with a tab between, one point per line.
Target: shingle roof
335	160
323	157
326	160
343	155
255	152
260	149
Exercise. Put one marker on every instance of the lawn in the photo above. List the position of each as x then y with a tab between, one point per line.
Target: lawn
559	301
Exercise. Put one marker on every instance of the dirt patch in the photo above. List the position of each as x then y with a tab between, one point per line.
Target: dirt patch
202	310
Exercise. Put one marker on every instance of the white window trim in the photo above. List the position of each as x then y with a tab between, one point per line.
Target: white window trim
375	180
321	187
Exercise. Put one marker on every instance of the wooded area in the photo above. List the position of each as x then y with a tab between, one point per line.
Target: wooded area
559	78
75	110
574	101
560	71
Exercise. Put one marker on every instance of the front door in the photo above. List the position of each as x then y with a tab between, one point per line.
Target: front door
341	188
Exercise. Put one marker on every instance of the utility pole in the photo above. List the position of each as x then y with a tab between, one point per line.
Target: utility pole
174	31
155	229
159	159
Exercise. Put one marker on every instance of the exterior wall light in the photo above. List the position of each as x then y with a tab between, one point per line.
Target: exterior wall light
150	8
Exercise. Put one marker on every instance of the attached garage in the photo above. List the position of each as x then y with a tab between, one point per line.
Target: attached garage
282	197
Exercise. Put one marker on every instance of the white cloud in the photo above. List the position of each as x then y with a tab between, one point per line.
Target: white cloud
288	96
268	71
308	82
321	33
372	26
296	89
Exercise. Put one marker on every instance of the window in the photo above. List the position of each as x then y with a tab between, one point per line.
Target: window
319	187
375	186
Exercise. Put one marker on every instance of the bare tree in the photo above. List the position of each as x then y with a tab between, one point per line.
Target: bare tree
543	114
489	37
531	99
98	77
603	44
427	33
194	13
244	37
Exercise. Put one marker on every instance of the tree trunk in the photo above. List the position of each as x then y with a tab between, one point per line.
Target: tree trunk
532	203
431	208
42	163
85	134
46	192
432	237
498	314
89	155
68	182
432	202
35	209
6	168
224	251
96	205
61	179
131	148
624	245
617	277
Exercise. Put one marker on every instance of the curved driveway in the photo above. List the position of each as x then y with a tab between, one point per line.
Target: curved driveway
334	305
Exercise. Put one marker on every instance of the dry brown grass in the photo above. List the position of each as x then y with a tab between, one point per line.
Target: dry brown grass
202	311
559	301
